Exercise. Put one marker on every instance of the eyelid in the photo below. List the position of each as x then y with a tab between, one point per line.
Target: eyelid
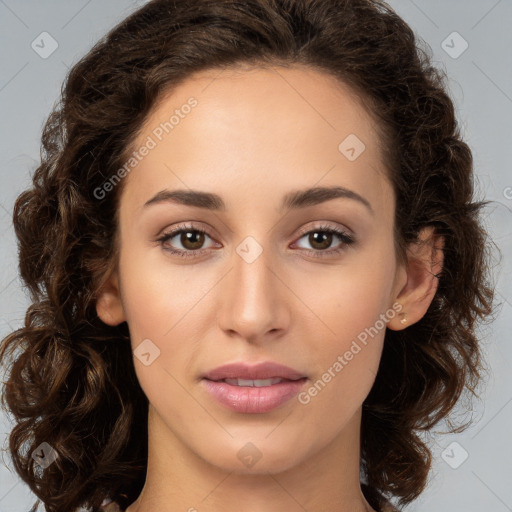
175	230
345	235
191	225
321	225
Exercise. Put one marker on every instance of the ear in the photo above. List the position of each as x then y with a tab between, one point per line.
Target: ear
108	303
424	264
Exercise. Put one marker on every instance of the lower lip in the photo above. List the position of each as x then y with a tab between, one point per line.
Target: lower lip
247	399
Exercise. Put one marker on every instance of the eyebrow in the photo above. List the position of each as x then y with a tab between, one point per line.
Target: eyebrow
291	201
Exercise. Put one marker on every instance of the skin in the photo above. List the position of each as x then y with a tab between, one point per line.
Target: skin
254	136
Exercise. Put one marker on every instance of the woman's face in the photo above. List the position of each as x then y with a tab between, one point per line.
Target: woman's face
267	281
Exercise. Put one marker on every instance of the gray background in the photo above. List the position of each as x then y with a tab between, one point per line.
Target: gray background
481	86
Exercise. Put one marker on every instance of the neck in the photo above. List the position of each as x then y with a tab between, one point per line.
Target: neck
178	479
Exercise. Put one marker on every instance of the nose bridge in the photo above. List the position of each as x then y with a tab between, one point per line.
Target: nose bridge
251	305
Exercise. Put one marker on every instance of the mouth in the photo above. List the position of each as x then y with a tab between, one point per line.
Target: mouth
256	383
253	389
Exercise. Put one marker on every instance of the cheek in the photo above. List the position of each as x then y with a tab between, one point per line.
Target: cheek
158	298
352	309
164	305
347	362
158	315
350	299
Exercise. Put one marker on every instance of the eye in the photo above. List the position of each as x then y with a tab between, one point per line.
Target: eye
190	238
322	237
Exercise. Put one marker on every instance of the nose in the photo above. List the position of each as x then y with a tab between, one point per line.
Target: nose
254	300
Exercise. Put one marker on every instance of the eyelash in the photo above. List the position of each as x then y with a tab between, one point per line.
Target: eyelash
345	238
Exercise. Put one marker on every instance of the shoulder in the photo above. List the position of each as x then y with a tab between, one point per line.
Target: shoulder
110	506
376	500
388	507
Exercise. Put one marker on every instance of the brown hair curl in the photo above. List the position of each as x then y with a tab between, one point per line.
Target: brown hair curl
73	383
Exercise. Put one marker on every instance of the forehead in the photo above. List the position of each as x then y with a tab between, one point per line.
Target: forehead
283	127
264	99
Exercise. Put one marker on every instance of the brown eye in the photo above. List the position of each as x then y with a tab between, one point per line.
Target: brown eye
320	240
192	240
184	241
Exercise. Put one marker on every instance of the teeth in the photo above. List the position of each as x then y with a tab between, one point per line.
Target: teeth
258	383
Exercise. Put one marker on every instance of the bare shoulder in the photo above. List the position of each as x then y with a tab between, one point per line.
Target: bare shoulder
111	507
388	507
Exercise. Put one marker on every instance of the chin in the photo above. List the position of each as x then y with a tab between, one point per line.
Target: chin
257	458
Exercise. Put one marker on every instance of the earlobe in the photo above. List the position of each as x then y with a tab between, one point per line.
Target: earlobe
424	265
109	306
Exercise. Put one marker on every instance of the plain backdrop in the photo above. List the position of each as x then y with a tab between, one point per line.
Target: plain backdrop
470	39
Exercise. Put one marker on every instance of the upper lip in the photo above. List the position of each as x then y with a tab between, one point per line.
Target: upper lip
265	370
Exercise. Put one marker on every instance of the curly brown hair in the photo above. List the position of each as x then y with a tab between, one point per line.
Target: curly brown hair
73	385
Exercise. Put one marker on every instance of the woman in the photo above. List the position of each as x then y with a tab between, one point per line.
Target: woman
256	265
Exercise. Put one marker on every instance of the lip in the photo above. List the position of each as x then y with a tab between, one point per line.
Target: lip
253	400
264	370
